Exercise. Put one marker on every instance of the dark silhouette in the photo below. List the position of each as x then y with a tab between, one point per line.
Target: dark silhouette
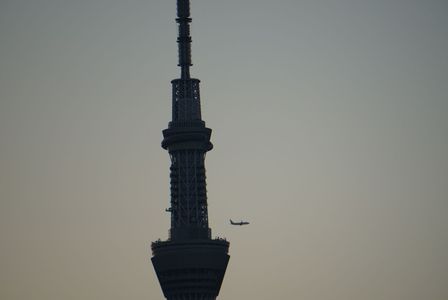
190	264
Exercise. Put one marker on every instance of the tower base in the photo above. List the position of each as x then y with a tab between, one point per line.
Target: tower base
191	269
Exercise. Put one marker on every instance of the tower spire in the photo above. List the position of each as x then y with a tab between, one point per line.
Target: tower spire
190	264
184	38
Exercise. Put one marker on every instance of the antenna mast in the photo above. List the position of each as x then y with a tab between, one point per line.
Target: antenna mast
184	38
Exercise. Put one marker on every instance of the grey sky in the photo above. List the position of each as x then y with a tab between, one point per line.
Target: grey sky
330	129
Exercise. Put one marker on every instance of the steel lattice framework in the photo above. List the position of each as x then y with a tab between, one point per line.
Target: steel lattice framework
189	265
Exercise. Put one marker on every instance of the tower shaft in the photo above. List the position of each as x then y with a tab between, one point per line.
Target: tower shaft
189	265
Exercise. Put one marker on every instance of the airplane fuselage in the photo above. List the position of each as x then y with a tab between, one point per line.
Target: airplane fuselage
239	223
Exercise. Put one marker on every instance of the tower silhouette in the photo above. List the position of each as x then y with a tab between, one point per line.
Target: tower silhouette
190	264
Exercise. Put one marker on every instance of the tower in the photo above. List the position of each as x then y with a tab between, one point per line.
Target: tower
190	264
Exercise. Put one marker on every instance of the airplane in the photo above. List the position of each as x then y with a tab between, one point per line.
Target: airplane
238	223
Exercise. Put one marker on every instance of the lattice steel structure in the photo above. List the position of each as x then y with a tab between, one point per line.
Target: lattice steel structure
190	264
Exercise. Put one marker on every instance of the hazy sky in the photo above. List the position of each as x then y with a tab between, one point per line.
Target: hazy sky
330	126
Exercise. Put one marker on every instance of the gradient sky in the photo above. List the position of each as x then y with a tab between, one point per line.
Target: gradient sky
330	128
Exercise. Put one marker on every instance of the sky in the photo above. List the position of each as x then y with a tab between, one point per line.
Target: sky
329	123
